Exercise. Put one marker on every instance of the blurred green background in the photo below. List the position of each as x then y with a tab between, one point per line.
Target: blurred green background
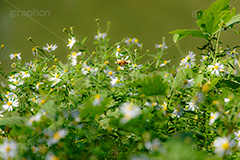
148	20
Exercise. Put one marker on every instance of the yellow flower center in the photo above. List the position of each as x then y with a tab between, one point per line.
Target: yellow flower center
212	117
57	76
15	55
8	148
56	136
9	103
165	62
49	47
89	69
187	58
225	146
135	65
118	49
25	72
16	82
70	42
117	81
34	99
153	104
110	73
43	101
127	117
74	53
33	49
160	45
164	107
130	40
136	40
215	67
54	157
98	96
106	62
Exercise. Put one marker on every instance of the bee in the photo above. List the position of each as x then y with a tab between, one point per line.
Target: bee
122	62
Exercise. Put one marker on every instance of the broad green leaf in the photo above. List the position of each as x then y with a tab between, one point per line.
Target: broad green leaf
151	85
198	80
179	34
181	76
12	121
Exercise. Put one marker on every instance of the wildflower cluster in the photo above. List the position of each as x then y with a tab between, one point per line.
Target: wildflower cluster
106	104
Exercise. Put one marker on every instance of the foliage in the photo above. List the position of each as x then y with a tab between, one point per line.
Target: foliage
105	105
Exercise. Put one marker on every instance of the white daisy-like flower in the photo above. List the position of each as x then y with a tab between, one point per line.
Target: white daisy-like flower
132	41
222	146
203	58
56	78
192	105
109	72
128	40
188	83
135	66
161	46
216	69
97	100
213	117
12	102
100	36
16	55
164	107
57	136
73	57
114	81
8	149
226	100
71	42
129	112
232	53
24	74
34	118
118	51
152	146
237	134
165	63
188	61
50	48
177	112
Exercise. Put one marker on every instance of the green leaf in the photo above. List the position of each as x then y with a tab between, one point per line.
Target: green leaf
179	34
235	19
12	121
198	80
151	85
181	76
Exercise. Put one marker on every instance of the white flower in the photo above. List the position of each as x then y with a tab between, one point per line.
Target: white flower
153	146
164	107
188	83
12	102
97	100
226	100
132	41
129	112
71	42
109	72
232	53
100	36
34	118
50	48
114	81
135	66
203	58
222	146
16	55
177	112
8	149
216	69
73	57
57	136
188	61
165	63
118	51
192	105
24	74
237	134
213	117
161	46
